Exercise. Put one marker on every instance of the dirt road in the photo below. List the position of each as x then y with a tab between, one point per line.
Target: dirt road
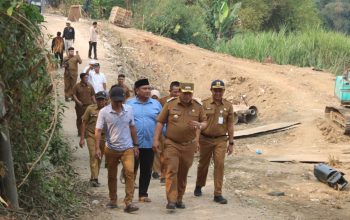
282	93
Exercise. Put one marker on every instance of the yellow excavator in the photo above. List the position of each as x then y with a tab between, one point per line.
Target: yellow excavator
340	115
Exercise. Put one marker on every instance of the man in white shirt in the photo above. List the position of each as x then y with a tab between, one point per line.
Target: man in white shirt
90	68
97	79
93	39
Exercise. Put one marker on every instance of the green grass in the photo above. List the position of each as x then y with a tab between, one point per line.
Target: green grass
315	47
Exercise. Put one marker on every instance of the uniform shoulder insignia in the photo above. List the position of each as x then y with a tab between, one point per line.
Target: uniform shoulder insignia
170	99
198	101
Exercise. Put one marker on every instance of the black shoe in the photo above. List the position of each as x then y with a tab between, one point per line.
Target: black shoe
89	57
155	175
171	205
180	205
198	191
220	199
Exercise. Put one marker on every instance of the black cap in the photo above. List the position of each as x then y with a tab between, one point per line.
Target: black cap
117	94
101	95
218	84
141	82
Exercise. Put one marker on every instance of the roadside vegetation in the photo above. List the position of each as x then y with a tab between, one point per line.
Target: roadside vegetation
45	181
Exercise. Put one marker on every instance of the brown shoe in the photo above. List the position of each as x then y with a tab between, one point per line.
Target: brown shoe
131	208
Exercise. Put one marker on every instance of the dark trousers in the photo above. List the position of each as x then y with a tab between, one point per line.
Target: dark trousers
146	162
59	55
92	45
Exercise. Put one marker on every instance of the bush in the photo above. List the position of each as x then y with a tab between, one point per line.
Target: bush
102	8
176	20
315	47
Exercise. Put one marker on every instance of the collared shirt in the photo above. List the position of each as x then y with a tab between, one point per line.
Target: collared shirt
218	117
145	114
177	116
84	92
73	63
93	34
97	80
68	33
118	135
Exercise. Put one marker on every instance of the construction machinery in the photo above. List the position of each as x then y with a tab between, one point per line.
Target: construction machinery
340	115
245	113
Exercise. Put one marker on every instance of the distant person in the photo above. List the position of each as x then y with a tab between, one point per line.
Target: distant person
89	120
121	83
93	40
69	37
97	79
174	91
121	145
145	111
57	47
83	95
70	64
214	138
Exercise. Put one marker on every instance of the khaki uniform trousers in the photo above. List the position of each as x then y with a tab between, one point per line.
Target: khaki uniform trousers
127	158
178	160
216	148
95	163
159	160
70	79
80	110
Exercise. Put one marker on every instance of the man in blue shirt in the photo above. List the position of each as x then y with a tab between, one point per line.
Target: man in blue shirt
145	111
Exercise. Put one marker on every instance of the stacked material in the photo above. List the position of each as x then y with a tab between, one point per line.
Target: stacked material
74	13
120	17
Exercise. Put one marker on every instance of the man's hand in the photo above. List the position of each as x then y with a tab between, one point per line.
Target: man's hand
136	151
229	149
194	124
81	142
155	147
98	154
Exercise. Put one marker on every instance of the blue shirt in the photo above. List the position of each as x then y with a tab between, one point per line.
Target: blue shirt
118	135
145	119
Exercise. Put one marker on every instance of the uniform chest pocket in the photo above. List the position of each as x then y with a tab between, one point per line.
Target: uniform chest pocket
174	115
209	111
194	115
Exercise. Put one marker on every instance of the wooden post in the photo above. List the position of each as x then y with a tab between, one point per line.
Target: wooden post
6	156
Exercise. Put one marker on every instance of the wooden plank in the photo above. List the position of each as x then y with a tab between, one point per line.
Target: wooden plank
265	129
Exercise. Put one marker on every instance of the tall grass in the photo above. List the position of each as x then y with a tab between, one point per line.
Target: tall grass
314	47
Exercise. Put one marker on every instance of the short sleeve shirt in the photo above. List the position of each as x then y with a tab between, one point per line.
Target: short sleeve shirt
118	135
216	126
177	116
84	92
97	80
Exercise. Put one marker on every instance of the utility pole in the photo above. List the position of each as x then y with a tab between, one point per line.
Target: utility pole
9	181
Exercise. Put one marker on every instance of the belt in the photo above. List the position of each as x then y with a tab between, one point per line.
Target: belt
182	143
208	136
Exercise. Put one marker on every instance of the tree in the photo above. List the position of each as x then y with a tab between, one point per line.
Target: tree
337	16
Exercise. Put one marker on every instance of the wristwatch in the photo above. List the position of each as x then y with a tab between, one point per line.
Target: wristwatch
136	145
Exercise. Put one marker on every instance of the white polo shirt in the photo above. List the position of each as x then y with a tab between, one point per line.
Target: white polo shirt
97	80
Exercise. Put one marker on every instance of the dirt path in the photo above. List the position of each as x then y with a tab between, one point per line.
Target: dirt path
282	93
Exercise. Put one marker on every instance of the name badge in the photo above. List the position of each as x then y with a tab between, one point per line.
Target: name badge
221	120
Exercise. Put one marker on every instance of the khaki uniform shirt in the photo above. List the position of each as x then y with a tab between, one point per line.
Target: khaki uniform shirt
90	119
73	63
177	115
218	117
163	100
84	93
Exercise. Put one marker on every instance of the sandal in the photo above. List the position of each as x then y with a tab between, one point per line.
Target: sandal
131	208
144	199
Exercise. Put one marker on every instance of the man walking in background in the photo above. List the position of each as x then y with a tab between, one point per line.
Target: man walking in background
88	125
84	95
185	118
121	83
97	79
146	111
93	39
121	145
69	37
70	64
213	140
57	47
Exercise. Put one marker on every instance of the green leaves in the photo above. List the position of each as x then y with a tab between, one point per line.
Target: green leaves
9	11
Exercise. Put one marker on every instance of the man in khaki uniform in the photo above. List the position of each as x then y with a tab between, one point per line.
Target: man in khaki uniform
83	95
159	164
213	139
88	131
184	117
70	64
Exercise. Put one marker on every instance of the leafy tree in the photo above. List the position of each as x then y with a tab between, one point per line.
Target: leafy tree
337	16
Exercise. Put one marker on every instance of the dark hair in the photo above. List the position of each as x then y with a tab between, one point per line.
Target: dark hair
121	75
174	83
58	33
94	23
71	48
82	75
